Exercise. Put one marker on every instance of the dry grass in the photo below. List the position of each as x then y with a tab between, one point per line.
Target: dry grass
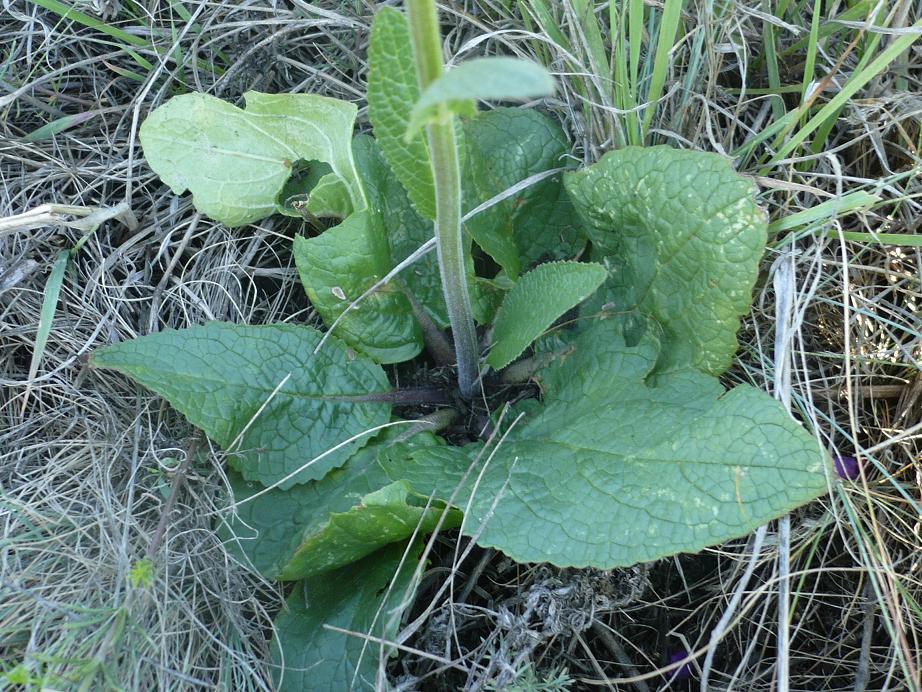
86	466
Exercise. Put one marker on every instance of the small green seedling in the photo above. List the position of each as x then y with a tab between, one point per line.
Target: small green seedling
645	261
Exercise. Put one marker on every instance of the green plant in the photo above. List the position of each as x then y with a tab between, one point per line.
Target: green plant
634	450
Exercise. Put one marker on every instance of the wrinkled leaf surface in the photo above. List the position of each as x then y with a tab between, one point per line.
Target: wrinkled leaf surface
536	301
610	471
261	392
684	236
393	88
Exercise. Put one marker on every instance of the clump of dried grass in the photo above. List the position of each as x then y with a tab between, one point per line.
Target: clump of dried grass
86	469
92	593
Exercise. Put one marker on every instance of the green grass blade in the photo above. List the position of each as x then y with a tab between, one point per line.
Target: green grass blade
542	53
781	125
548	23
858	80
810	59
899	239
59	125
595	46
46	317
669	24
625	74
68	12
123	37
833	209
868	49
635	36
856	12
771	62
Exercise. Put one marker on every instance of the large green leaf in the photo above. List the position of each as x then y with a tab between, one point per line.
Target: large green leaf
338	266
490	79
504	147
684	235
349	513
367	598
612	471
234	161
536	301
393	88
261	392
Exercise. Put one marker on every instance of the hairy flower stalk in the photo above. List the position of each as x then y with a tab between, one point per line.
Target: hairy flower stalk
446	171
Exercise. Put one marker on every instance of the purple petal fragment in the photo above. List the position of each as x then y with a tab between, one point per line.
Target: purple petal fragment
846	467
682	672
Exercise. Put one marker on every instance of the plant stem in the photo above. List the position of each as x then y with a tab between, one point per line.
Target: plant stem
433	422
446	172
451	251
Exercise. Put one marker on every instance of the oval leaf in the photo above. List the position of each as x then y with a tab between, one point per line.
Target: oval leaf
504	147
685	236
393	88
367	597
337	267
247	154
611	471
489	79
265	386
536	301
